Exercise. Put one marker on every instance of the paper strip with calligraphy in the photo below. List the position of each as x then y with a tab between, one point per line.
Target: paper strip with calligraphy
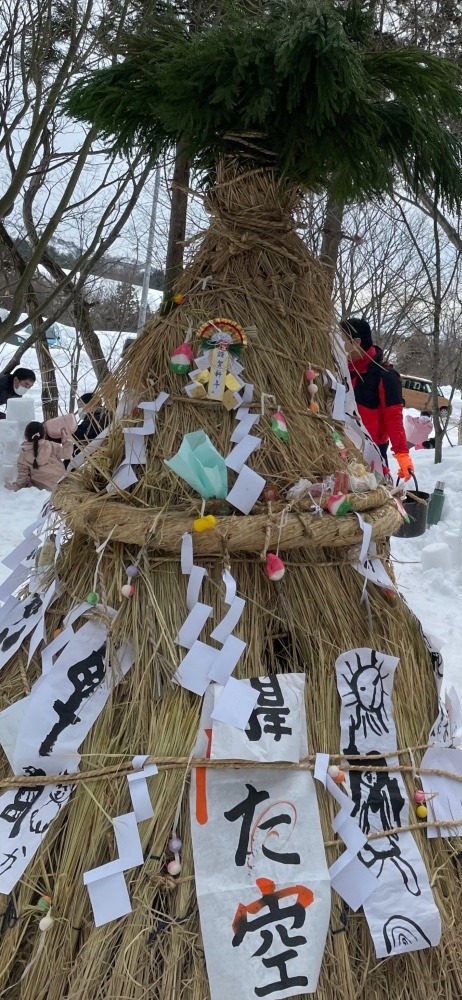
277	726
401	912
264	902
59	712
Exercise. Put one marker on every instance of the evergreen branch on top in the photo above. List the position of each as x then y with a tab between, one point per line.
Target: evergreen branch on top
333	111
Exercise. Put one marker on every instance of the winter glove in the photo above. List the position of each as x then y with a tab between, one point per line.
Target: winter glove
406	468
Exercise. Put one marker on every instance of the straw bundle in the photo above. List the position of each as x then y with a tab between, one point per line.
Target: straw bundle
263	277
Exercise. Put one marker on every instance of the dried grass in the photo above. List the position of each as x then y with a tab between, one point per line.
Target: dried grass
304	624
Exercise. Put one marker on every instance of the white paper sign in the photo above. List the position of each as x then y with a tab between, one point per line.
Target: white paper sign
68	701
61	708
246	490
276	725
401	912
264	903
26	814
108	895
444	795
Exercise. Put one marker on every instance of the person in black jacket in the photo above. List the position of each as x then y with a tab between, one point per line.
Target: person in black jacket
91	422
15	385
378	393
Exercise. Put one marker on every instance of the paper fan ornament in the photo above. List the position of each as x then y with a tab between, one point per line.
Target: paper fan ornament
223	333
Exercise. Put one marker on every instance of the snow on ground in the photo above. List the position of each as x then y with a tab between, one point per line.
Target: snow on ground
435	596
18	510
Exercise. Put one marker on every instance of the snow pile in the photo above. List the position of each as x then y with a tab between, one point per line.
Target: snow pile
436	595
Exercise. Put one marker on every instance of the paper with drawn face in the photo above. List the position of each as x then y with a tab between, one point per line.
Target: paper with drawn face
401	912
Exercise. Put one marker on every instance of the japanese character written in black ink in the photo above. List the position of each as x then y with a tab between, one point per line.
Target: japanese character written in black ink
270	901
42	817
270	706
10	859
250	826
11	633
441	729
23	802
85	677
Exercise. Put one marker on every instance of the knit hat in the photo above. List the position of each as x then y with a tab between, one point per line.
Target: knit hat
358	329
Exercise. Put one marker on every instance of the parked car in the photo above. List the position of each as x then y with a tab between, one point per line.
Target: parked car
16	339
417	393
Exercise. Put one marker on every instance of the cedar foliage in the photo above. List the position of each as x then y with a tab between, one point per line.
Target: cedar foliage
303	80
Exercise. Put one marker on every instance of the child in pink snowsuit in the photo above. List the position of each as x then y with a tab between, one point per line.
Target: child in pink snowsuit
418	429
40	463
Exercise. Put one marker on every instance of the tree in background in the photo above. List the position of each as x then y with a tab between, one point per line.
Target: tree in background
55	182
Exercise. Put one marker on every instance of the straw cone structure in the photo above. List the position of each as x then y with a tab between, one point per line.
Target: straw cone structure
261	275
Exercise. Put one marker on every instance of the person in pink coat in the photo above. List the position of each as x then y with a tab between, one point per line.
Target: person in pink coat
418	429
40	463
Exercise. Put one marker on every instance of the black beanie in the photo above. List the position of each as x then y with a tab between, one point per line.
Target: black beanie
358	329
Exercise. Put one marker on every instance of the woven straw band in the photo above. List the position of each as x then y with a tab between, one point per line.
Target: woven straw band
163	532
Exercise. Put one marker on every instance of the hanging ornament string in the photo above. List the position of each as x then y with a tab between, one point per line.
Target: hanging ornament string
93	596
44	925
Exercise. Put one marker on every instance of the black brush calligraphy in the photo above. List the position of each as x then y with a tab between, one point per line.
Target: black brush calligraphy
11	633
403	934
271	707
276	815
266	917
85	677
24	800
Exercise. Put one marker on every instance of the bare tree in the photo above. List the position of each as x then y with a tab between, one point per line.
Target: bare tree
443	272
55	177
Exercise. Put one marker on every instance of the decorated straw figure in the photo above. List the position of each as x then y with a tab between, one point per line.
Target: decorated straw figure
166	608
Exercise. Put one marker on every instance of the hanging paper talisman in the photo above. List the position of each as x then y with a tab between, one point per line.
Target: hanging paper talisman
223	341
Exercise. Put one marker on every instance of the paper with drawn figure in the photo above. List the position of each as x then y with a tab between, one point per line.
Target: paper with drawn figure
365	683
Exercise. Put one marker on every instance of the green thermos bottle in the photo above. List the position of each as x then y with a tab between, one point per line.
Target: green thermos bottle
436	504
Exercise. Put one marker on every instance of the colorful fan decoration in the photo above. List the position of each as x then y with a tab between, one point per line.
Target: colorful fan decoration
222	333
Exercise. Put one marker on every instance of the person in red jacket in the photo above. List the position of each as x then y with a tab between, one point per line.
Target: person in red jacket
378	394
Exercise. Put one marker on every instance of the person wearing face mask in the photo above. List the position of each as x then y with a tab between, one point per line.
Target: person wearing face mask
15	385
378	394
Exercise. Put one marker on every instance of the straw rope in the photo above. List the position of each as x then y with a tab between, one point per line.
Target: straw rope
305	764
188	763
163	531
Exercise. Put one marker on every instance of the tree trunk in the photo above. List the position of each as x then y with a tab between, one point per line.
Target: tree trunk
178	215
50	394
332	236
90	339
